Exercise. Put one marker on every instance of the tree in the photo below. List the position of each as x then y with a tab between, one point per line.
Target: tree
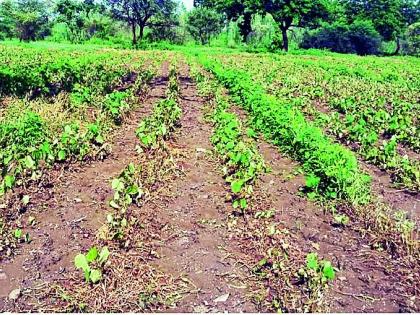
73	15
202	23
31	18
293	13
7	22
165	26
140	13
413	38
389	17
360	38
234	10
84	19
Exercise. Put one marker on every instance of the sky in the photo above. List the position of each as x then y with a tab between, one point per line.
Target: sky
188	3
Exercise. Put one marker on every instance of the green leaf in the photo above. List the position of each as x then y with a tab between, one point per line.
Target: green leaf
328	270
9	181
237	186
117	184
131	168
99	139
92	254
61	155
312	261
29	162
18	233
25	200
312	181
103	256
113	204
81	262
95	275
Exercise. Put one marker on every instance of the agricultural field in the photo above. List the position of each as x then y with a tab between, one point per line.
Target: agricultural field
208	180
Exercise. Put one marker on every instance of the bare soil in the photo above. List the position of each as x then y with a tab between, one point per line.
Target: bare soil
70	206
368	280
191	251
195	207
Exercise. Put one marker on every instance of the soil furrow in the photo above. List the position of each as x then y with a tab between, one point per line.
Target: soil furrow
363	282
195	207
72	207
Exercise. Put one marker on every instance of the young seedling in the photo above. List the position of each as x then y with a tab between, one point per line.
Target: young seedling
316	274
92	258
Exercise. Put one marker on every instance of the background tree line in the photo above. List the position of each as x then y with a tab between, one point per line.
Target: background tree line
348	26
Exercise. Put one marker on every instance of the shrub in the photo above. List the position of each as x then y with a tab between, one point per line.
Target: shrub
360	38
413	39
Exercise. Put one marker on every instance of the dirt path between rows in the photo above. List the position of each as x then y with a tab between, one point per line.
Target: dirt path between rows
382	182
194	205
71	208
368	280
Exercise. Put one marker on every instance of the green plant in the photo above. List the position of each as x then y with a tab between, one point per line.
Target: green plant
316	275
92	263
165	117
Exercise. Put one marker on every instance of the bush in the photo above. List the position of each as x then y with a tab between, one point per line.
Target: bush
360	38
413	39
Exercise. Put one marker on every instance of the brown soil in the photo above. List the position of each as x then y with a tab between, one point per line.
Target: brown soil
365	282
382	184
368	280
195	208
398	199
207	254
71	208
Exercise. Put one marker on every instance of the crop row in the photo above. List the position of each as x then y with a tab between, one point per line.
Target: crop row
131	186
333	170
242	166
47	72
368	104
165	116
35	133
242	161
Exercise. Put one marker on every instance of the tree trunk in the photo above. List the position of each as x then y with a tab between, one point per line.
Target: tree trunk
397	51
285	38
245	26
141	31
133	30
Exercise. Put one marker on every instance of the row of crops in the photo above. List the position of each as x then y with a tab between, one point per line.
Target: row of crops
333	169
243	166
61	106
370	105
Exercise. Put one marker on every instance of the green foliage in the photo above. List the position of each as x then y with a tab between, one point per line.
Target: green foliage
358	38
84	20
142	13
37	71
318	272
203	23
306	13
127	189
164	119
336	167
413	39
31	19
387	16
26	142
7	22
92	263
241	159
367	103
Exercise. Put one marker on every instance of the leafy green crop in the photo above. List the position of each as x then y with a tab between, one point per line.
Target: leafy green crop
92	263
334	166
242	161
164	119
